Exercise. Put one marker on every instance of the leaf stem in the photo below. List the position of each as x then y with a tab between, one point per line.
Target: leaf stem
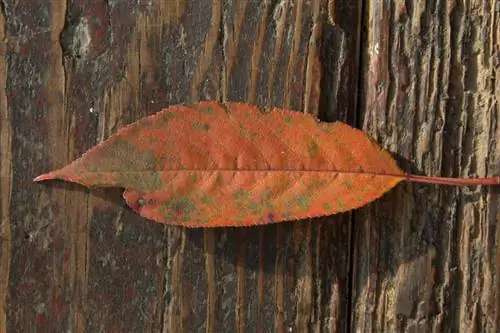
454	181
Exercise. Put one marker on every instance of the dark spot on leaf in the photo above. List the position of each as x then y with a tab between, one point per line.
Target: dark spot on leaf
140	202
270	217
179	208
288	119
327	206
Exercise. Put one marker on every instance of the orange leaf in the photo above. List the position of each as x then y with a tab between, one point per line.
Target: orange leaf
211	165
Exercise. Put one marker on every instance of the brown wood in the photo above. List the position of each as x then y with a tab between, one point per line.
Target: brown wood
423	258
426	257
81	261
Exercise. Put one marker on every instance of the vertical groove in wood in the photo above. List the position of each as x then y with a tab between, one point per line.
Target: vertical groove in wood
183	298
172	312
241	274
5	178
494	212
211	312
305	284
260	284
78	217
279	280
258	48
313	74
289	87
230	45
64	272
492	198
279	16
207	52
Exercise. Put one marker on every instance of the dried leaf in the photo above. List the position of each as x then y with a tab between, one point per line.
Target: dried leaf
211	165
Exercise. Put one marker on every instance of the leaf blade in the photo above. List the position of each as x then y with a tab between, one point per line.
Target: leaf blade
297	196
194	159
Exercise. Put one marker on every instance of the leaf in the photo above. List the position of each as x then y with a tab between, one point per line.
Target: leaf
211	165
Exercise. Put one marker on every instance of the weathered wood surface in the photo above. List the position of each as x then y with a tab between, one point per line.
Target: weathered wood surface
423	258
426	258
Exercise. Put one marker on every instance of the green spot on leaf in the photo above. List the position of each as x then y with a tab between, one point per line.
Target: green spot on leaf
347	184
288	119
325	128
192	178
167	116
206	200
181	208
219	179
327	206
199	126
257	207
312	148
140	174
340	203
208	110
241	195
302	201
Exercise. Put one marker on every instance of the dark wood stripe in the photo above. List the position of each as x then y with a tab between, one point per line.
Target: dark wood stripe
205	58
5	180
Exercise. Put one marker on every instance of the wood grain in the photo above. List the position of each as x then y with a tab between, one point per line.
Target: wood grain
423	258
113	64
272	56
5	182
431	98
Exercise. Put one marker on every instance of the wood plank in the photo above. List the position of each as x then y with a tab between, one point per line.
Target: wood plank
280	59
5	182
74	72
426	257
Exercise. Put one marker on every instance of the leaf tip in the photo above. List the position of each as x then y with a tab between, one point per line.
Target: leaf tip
50	176
45	176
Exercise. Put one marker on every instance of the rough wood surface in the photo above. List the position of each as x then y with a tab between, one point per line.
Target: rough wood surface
74	72
426	258
423	258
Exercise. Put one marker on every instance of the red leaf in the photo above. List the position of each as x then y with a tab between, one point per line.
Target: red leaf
212	164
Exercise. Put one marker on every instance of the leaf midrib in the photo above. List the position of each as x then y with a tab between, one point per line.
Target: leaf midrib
254	171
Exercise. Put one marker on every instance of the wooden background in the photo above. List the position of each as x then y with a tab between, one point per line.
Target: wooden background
421	77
